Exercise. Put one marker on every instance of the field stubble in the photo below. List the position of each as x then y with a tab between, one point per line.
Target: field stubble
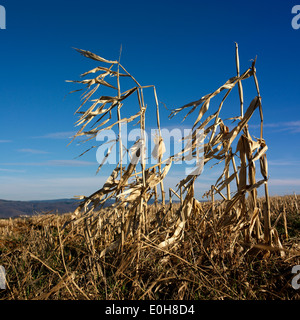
240	247
42	261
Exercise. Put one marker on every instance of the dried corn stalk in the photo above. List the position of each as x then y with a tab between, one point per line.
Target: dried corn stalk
129	217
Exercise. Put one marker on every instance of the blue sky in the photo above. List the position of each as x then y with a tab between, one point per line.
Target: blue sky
184	48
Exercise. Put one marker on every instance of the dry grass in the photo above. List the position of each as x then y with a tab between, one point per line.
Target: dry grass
229	248
43	261
132	190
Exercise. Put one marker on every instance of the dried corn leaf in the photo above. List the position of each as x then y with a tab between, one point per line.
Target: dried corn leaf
93	56
159	148
180	224
111	72
228	85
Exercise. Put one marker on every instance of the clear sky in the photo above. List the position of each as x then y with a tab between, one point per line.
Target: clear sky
184	48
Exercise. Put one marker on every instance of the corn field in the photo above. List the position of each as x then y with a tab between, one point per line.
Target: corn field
181	250
129	218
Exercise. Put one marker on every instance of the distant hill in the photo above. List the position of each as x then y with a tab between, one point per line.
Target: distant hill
10	208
